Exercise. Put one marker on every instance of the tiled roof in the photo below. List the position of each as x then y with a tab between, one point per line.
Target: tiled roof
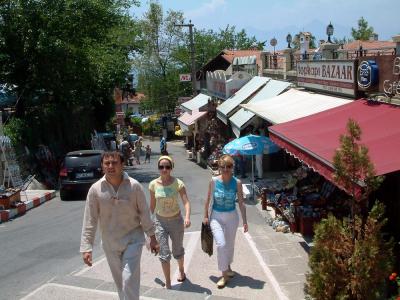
229	55
376	45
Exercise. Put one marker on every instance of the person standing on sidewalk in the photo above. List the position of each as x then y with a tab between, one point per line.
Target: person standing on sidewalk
164	192
222	215
259	160
117	202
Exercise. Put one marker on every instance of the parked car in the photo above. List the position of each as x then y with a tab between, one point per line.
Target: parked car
79	170
132	138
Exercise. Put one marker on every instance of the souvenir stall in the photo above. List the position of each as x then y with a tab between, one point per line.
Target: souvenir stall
301	198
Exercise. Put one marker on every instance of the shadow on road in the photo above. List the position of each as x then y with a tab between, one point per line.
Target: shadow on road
188	286
240	280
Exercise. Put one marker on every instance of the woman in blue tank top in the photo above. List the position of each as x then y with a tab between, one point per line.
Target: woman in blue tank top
222	215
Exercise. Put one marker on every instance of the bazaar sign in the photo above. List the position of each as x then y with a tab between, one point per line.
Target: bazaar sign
391	87
333	76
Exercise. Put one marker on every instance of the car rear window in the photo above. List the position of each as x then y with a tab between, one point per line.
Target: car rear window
88	160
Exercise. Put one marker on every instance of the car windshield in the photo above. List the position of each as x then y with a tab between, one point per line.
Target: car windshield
88	160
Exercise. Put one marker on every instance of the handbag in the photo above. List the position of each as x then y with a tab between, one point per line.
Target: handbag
206	233
206	239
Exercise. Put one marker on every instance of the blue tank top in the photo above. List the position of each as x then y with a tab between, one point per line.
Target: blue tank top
224	195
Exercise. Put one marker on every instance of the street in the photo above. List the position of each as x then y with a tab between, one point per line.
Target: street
41	260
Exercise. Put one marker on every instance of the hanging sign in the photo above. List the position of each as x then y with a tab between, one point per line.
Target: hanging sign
185	77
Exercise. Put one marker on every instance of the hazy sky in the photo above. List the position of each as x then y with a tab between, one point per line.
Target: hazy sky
268	18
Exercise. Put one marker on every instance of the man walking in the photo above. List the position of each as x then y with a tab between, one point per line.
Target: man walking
118	203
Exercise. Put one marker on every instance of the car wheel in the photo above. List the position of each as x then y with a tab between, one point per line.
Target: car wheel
64	195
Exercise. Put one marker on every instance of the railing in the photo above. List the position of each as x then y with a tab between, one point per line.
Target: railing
275	61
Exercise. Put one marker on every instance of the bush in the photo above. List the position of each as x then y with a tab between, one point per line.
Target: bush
343	268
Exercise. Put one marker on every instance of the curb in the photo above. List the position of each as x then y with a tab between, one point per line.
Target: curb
6	215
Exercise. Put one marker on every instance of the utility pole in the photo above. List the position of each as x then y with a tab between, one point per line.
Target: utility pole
190	25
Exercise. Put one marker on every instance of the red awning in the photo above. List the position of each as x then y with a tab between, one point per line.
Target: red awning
315	138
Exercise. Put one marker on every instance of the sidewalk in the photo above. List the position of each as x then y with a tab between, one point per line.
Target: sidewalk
30	199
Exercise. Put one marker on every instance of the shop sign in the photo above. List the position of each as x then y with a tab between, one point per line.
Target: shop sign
391	87
185	77
367	74
334	76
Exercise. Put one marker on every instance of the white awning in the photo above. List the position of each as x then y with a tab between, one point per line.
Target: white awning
186	120
242	117
196	103
230	106
293	105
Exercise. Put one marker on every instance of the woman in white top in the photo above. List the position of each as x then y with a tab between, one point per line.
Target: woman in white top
164	193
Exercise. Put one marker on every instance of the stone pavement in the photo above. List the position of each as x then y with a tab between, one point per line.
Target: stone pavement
30	199
269	265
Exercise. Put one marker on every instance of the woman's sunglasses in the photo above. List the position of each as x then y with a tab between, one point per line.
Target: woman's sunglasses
164	167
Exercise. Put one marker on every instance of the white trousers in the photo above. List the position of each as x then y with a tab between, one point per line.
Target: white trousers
125	269
224	226
259	165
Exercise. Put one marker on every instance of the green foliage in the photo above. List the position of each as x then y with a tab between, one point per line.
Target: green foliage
350	259
343	269
166	54
64	58
352	164
150	127
363	32
136	121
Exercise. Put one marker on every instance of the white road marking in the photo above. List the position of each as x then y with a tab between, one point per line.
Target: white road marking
189	250
265	268
99	292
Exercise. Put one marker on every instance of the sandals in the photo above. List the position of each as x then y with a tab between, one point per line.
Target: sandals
222	282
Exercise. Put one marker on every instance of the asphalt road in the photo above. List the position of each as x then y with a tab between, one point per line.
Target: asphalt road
44	243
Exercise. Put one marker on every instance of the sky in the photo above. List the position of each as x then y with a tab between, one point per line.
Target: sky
266	19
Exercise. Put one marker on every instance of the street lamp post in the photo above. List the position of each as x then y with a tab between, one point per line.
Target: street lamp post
273	43
289	40
329	32
192	53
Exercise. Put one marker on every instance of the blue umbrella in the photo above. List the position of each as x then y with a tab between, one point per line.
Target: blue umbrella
251	145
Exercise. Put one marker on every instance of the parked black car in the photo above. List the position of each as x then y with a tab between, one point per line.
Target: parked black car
80	169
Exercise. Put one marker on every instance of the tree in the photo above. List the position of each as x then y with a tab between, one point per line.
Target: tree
351	259
64	58
158	72
363	32
166	54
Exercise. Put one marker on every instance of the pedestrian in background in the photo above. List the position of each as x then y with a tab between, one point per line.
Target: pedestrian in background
148	154
222	215
138	149
164	193
117	202
259	160
163	146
